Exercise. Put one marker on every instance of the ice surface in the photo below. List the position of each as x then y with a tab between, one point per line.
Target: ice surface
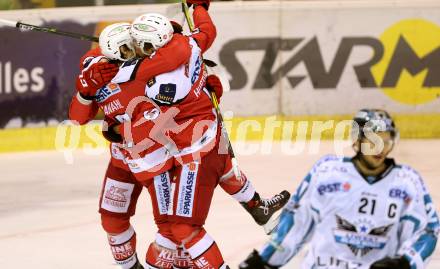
49	218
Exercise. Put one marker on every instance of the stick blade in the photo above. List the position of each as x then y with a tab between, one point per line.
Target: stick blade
8	23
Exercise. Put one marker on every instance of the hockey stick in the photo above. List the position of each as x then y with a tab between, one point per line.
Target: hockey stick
234	161
29	27
171	11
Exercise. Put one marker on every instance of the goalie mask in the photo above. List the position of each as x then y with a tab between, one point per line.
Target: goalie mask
116	43
151	30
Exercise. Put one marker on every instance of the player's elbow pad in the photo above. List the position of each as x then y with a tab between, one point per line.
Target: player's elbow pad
78	120
81	111
81	120
210	33
214	32
213	35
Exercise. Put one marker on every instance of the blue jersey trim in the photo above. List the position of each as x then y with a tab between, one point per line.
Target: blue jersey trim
412	264
425	245
412	219
315	210
286	223
302	189
267	253
434	223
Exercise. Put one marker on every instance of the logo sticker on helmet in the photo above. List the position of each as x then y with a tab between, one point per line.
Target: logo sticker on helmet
118	30
144	28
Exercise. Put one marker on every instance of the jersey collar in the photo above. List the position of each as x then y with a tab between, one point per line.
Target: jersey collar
391	164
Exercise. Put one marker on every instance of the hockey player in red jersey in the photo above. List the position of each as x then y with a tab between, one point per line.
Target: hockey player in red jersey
120	188
109	98
178	114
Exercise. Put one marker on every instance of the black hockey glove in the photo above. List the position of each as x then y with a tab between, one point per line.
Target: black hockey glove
254	261
111	134
389	263
203	3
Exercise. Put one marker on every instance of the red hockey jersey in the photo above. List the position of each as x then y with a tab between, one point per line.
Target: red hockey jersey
138	78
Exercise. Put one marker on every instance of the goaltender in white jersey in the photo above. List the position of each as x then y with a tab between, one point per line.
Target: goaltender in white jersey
365	212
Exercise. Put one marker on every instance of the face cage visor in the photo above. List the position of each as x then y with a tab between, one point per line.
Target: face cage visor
359	129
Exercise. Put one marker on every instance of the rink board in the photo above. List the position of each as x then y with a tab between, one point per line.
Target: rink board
301	60
264	128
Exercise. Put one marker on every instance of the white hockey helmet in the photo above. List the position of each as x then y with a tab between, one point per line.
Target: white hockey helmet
151	28
113	38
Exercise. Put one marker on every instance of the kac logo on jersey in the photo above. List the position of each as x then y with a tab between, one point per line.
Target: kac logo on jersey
334	187
107	91
116	196
360	236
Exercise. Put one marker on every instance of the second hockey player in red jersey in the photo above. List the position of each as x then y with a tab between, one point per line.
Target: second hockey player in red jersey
179	115
131	82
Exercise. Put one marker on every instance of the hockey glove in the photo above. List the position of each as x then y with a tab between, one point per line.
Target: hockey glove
254	261
94	77
111	133
213	84
389	263
177	28
203	3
